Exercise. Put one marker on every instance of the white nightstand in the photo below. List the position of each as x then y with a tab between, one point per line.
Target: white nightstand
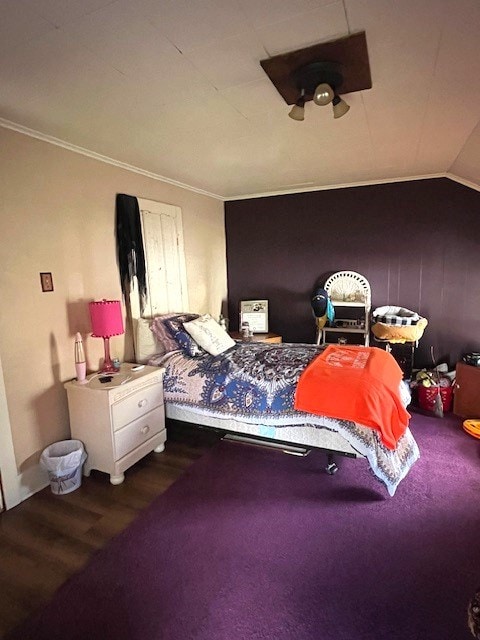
119	421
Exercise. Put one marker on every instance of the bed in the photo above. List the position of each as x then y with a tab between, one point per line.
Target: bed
249	390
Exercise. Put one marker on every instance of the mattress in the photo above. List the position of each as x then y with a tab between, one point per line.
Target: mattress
308	435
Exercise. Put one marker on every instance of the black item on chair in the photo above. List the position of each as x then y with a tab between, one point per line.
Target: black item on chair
320	307
319	302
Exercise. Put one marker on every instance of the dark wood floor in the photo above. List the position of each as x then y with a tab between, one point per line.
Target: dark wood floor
47	538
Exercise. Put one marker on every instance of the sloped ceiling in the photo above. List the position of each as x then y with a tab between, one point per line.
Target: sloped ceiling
174	87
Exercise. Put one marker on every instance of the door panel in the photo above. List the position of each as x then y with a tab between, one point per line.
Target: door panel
164	257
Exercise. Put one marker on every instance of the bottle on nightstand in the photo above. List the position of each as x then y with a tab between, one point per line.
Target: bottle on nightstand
223	322
246	332
80	361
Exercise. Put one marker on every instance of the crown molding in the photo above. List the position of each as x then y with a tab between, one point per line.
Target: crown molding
7	124
466	183
329	187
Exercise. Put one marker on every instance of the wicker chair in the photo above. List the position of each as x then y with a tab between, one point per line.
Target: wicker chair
350	289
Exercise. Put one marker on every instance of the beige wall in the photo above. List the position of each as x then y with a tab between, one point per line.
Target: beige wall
57	214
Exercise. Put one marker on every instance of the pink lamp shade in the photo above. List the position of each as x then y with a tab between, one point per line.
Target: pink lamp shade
106	317
107	321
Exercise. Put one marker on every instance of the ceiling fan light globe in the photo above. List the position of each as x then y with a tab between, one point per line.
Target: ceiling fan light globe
340	107
323	94
297	112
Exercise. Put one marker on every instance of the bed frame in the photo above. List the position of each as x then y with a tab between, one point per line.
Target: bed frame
299	440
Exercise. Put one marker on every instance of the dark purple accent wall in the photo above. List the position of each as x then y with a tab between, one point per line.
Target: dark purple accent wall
418	244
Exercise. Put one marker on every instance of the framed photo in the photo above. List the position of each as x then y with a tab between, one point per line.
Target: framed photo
47	281
255	312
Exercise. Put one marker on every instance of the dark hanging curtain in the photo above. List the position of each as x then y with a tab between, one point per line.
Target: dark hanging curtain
130	255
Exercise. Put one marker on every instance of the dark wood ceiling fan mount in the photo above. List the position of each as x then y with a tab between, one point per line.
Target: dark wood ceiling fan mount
343	61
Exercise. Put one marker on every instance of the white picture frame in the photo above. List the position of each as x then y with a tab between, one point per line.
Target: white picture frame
255	312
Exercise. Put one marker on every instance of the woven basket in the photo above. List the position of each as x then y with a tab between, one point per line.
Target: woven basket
427	395
391	333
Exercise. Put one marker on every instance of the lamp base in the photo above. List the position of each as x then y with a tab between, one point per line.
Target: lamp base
108	366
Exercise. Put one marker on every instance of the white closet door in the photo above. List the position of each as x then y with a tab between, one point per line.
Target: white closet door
164	257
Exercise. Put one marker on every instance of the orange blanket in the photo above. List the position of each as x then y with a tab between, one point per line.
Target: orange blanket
360	384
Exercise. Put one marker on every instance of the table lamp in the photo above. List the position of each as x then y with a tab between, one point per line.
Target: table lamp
107	321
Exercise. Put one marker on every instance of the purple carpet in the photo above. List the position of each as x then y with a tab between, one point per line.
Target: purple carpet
253	544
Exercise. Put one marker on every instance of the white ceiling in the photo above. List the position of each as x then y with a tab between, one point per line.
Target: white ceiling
174	87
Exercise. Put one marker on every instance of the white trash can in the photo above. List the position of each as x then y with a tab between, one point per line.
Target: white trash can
64	460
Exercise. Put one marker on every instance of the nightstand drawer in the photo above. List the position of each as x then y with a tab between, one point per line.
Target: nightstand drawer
136	405
138	432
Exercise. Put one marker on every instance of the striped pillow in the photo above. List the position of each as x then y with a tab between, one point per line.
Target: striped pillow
396	316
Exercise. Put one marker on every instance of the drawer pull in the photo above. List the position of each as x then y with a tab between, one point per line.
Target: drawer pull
145	429
142	403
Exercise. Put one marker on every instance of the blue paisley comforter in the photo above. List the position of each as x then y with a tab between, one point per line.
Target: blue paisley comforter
255	383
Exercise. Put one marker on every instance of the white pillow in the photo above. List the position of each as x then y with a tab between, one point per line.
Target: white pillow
209	334
146	344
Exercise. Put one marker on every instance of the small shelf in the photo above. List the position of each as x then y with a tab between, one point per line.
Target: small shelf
344	329
344	303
